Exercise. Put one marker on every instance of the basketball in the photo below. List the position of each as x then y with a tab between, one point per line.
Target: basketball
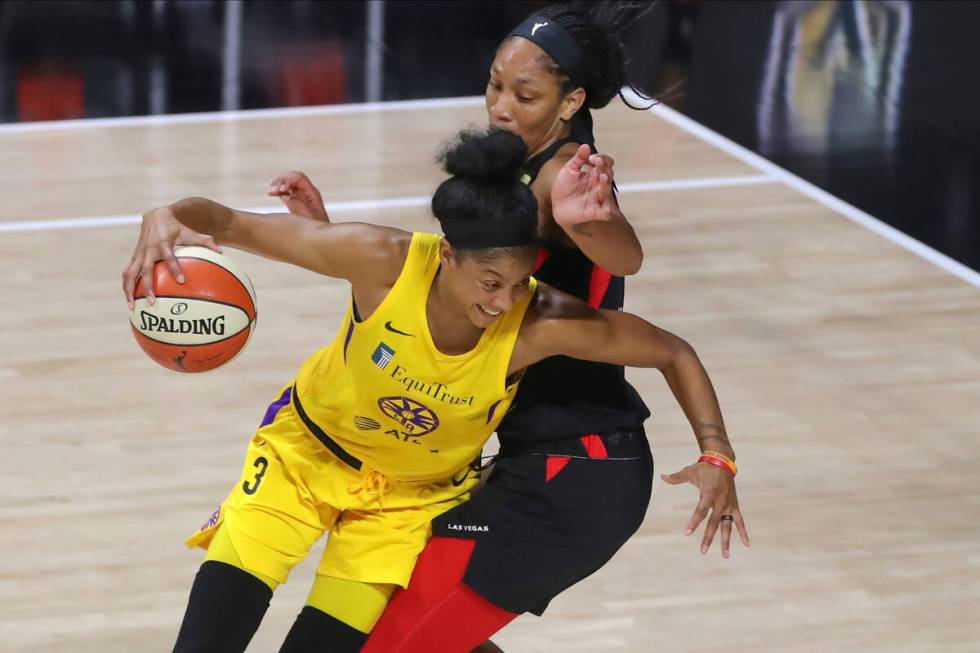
200	324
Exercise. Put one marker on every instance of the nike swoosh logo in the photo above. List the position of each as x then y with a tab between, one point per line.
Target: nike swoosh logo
474	467
394	330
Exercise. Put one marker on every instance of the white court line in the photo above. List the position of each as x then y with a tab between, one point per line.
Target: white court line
688	184
683	122
370	205
813	192
250	114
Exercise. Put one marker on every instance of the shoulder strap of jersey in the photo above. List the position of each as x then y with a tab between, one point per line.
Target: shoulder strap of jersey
533	165
419	265
423	253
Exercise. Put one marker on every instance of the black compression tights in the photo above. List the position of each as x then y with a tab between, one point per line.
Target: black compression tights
314	631
224	610
226	606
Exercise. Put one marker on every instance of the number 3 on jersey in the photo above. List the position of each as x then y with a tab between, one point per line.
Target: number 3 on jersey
261	464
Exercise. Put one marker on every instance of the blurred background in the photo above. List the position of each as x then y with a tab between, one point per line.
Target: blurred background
863	98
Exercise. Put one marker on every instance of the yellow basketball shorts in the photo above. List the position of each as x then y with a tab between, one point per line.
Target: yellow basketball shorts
293	489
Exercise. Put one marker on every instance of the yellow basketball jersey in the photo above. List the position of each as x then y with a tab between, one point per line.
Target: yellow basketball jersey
390	398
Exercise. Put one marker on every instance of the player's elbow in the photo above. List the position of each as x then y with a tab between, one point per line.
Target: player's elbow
628	262
633	264
682	353
684	348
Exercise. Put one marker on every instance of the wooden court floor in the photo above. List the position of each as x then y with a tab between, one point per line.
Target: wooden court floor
848	369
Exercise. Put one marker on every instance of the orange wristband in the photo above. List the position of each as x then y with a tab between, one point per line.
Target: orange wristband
718	462
718	454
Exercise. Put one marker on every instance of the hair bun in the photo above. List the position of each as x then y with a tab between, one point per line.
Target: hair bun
496	156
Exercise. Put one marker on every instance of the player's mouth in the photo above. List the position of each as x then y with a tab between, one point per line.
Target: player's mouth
488	312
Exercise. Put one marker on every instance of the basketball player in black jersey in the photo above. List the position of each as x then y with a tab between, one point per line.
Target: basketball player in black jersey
573	479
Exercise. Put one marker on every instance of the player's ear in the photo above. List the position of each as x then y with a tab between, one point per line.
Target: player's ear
447	255
571	103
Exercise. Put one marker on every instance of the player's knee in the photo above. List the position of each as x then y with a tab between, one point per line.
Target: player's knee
315	631
223	550
354	603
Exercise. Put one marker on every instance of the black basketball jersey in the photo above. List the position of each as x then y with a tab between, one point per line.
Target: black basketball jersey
562	396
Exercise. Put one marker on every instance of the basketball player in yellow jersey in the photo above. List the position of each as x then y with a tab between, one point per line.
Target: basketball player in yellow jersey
376	434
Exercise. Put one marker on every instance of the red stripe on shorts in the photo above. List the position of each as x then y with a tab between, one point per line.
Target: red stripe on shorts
554	465
594	446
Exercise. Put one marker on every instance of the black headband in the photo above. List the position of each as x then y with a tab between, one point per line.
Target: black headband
558	43
484	234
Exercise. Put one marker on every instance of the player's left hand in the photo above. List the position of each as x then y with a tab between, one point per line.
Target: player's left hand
718	497
300	196
582	190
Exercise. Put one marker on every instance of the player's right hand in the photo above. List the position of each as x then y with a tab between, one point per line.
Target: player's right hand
582	189
718	497
299	195
159	234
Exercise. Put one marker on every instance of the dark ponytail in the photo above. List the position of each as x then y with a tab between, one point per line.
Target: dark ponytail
484	204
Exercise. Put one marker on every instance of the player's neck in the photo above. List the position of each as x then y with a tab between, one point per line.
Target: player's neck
559	131
449	324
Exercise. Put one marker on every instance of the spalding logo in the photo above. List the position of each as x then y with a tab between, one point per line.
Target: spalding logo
201	326
187	321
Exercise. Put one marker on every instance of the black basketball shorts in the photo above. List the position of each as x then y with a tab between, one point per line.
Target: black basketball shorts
552	513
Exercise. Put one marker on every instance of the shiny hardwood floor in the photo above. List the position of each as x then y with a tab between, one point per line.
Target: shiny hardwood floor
848	369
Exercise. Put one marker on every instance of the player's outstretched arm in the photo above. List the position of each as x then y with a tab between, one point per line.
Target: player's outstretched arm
359	252
560	324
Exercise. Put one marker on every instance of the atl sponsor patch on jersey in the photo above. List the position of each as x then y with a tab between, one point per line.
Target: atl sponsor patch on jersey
413	416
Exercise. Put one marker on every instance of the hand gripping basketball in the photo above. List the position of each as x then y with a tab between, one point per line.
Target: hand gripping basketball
192	309
159	234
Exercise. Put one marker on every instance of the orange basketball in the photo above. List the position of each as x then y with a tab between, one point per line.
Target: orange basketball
200	324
